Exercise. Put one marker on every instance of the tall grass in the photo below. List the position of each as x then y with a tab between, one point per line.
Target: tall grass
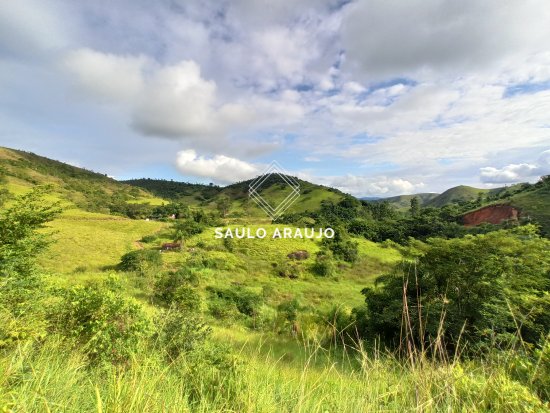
50	378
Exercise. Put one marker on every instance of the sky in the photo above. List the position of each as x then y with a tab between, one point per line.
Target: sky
374	97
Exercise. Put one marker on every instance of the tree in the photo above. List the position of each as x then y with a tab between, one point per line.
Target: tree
21	287
415	206
223	203
483	287
20	241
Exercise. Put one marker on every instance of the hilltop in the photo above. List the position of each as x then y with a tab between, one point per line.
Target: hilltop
274	190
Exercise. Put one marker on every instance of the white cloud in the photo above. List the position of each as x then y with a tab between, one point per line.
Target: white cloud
508	174
386	39
359	185
517	172
219	168
177	102
105	76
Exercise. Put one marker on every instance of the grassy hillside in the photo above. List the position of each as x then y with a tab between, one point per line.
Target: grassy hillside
458	193
404	201
534	204
75	186
273	190
274	323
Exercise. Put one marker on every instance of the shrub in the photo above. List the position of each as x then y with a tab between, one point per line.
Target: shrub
223	309
168	286
149	238
105	325
229	244
179	332
247	302
141	261
288	269
324	265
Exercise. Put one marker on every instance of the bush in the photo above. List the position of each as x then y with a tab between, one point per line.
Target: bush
105	325
288	269
141	261
149	238
247	302
168	288
324	265
179	332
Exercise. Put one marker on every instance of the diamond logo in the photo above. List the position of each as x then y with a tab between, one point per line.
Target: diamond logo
255	187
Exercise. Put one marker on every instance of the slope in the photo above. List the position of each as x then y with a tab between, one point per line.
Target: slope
79	187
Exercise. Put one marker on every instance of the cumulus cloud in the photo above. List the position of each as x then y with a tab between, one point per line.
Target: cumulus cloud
219	168
177	102
361	185
517	172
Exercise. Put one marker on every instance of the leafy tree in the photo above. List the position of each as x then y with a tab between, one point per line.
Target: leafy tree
415	206
20	241
21	286
223	203
483	288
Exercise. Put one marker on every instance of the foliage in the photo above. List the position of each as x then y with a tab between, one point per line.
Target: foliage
184	229
142	261
341	246
179	332
482	290
21	283
324	265
104	324
20	241
245	300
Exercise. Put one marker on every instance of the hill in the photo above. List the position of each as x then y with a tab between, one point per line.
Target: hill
75	186
461	193
404	201
273	190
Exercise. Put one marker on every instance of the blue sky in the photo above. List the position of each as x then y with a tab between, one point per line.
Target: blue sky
374	97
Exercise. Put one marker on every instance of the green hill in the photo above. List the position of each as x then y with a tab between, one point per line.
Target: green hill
273	190
404	201
75	186
457	194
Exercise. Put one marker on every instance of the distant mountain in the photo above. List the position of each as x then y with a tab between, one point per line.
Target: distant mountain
404	201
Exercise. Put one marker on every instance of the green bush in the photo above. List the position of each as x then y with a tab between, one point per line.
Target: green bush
141	261
105	325
223	309
324	265
167	287
288	269
179	332
247	302
149	238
